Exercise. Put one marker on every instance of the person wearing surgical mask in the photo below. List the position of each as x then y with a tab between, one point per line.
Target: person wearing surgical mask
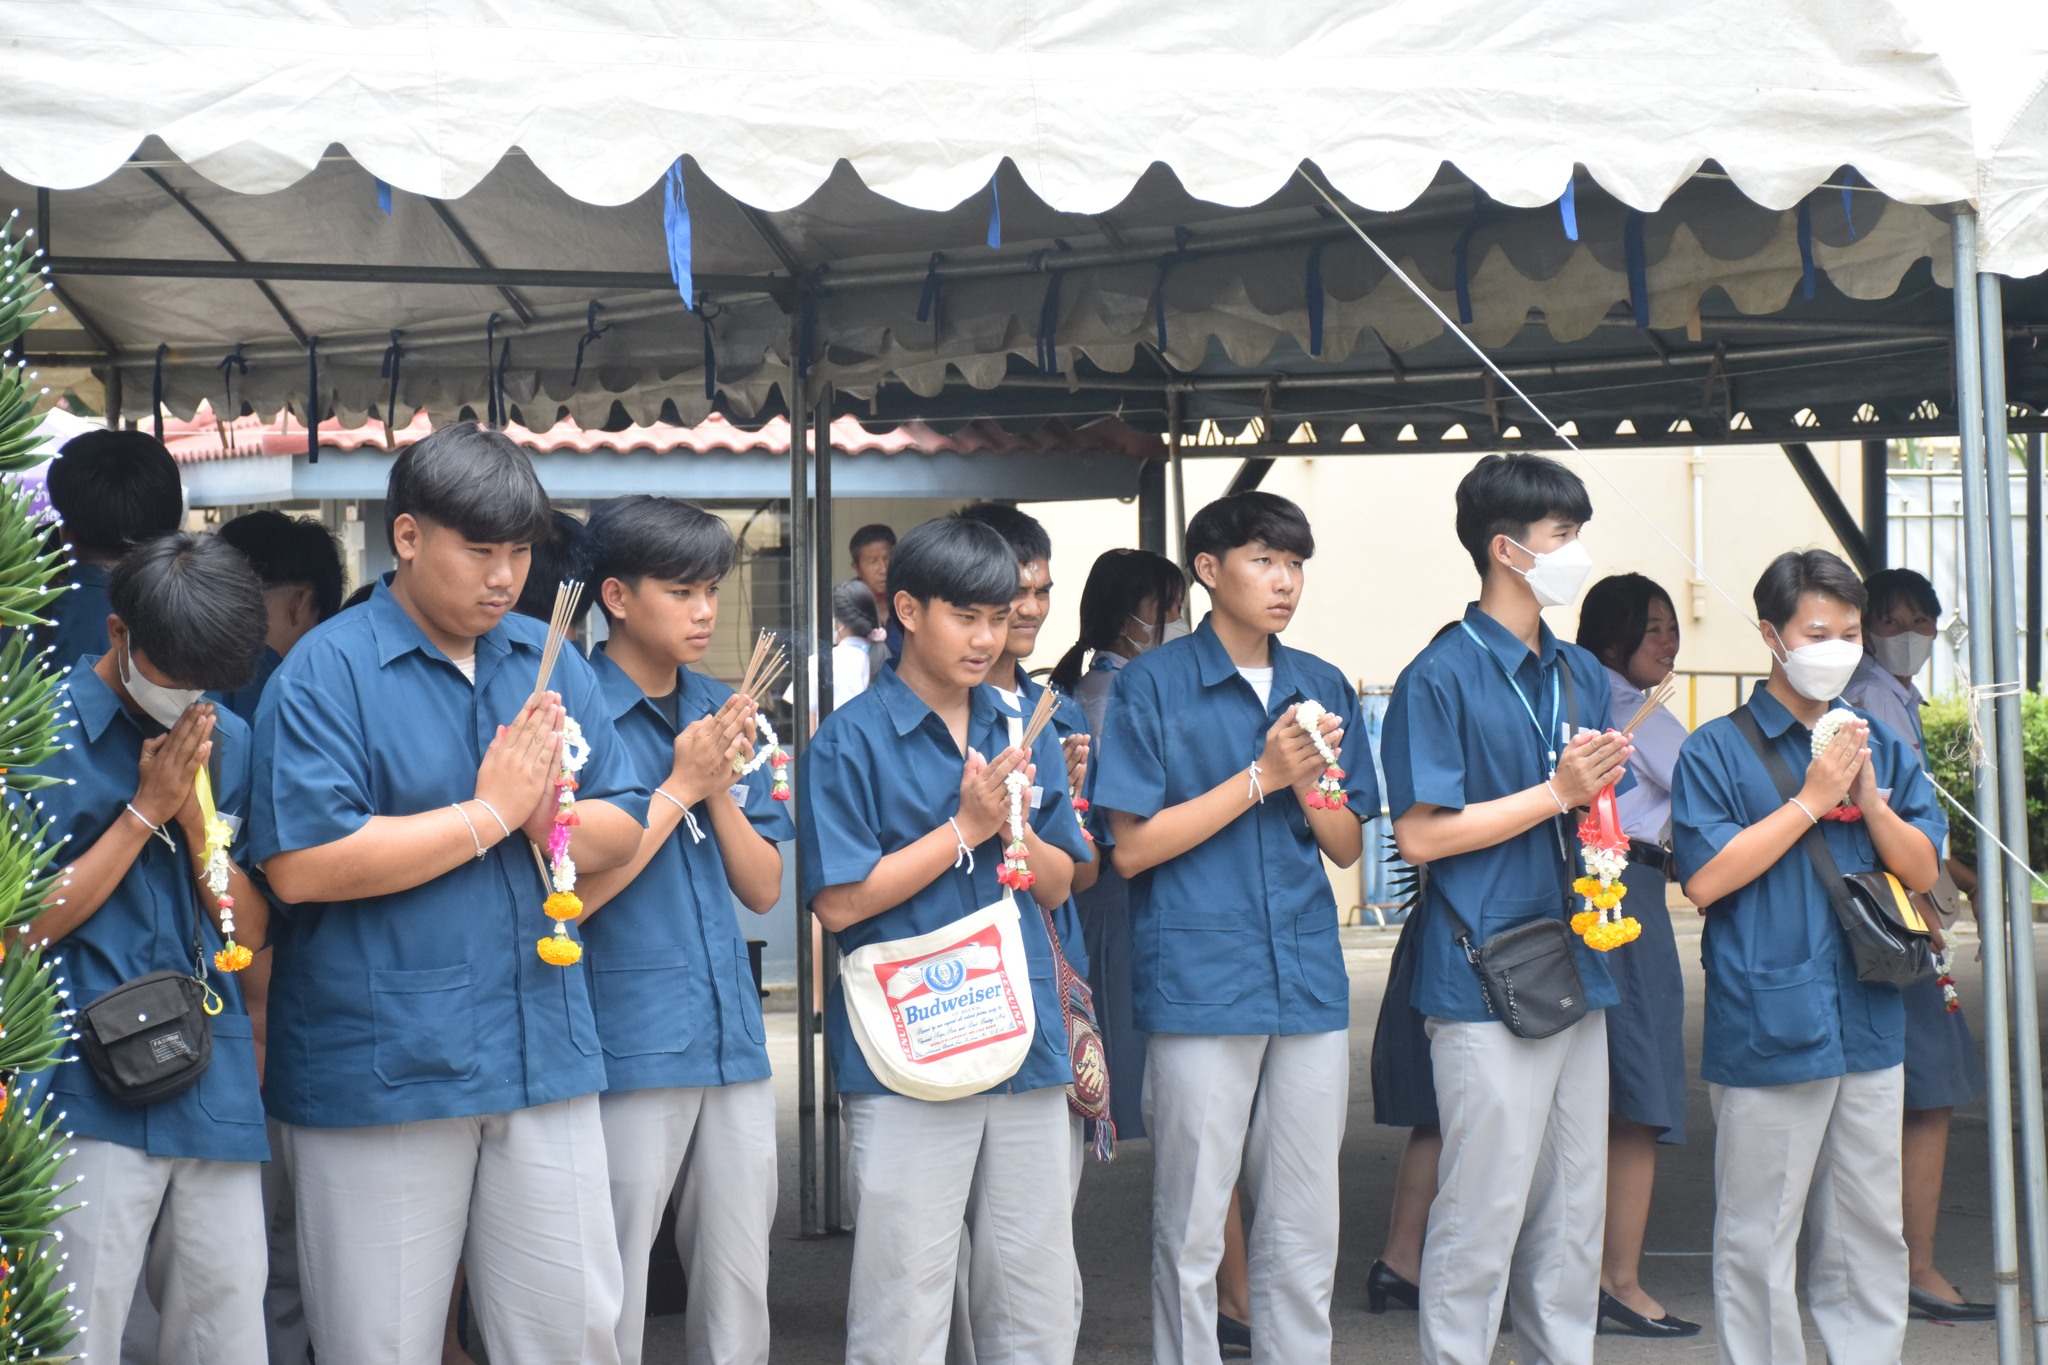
1804	1061
1943	1069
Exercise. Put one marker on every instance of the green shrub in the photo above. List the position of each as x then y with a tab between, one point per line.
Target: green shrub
1947	724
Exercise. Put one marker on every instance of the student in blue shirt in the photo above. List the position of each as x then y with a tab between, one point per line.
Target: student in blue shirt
687	1096
111	490
1803	1060
1487	755
187	617
1211	791
905	815
419	1045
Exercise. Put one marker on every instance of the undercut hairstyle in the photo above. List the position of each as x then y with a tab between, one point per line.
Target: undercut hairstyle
960	562
1241	518
1797	572
286	551
1119	582
114	490
853	606
1027	537
648	537
565	554
1890	588
193	608
1616	615
1504	495
472	480
871	534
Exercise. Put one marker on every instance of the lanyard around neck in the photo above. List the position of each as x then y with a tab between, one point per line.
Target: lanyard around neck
1545	738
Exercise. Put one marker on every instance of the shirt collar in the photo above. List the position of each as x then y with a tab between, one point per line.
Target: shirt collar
1771	716
907	710
397	634
1217	666
1505	646
92	701
621	694
92	575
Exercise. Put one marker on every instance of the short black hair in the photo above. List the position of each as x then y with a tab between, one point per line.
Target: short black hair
1504	495
290	550
958	561
360	595
1027	537
1796	572
854	606
1887	588
193	608
565	554
473	480
1238	519
648	537
1118	584
115	489
869	535
1616	615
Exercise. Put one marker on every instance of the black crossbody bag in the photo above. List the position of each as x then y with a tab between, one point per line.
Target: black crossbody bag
1887	935
150	1038
1529	974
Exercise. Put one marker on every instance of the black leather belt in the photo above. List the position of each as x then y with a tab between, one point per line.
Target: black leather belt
1654	856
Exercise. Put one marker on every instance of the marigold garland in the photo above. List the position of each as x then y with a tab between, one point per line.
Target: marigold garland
563	905
1015	873
1603	848
771	752
232	956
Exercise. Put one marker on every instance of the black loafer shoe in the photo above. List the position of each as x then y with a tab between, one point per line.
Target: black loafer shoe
1233	1338
1628	1320
1934	1308
1382	1284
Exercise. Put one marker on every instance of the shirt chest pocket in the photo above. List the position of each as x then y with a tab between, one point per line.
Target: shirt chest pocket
425	1024
642	1003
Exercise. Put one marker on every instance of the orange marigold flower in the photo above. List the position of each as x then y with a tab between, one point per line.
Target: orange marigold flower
233	958
563	905
1584	921
559	950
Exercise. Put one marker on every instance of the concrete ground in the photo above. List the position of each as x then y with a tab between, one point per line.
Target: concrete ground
808	1289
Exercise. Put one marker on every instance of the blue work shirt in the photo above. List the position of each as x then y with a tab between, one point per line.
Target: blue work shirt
1067	719
78	616
672	982
430	1002
146	926
1457	734
1783	1001
244	699
1239	934
883	772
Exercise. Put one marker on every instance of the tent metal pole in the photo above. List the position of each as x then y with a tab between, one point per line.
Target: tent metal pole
2034	561
1876	505
1829	500
822	540
1990	899
1180	488
1152	507
799	620
2012	802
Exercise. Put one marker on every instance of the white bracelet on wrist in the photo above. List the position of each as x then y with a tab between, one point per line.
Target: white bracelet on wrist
1795	801
1562	808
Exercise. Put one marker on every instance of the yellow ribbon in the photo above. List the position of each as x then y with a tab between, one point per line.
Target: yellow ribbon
219	834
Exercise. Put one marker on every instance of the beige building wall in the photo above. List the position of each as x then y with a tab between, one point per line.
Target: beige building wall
1388	571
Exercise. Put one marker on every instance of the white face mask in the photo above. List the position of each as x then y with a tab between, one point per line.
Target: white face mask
1819	672
1176	629
1904	654
161	704
1557	575
1140	634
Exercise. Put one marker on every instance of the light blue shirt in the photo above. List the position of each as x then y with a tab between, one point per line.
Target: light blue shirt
1646	807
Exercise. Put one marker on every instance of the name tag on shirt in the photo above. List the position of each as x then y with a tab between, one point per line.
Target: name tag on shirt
1037	797
739	791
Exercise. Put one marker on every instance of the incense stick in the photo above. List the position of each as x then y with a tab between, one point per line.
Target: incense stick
1048	701
566	594
1659	694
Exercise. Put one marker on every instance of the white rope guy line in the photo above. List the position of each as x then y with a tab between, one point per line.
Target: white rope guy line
1455	330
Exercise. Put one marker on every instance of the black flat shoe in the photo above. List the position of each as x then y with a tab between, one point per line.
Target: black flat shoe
1629	1321
1233	1338
1934	1308
1382	1284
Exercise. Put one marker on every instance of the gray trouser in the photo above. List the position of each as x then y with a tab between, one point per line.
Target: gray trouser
1272	1108
960	1348
284	1312
520	1198
1826	1153
211	1294
719	1142
1522	1191
924	1174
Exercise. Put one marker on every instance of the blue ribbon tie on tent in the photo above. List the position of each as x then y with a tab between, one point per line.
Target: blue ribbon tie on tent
591	332
1461	257
1638	267
1048	326
931	302
675	222
384	198
498	382
490	385
1167	262
313	400
394	356
710	359
231	366
1568	208
156	392
1805	249
995	212
1312	290
1849	198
